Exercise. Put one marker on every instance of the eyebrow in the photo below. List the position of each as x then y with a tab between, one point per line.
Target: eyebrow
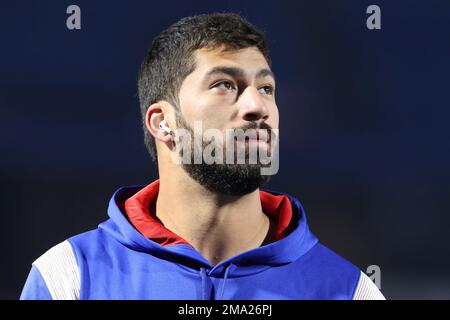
237	72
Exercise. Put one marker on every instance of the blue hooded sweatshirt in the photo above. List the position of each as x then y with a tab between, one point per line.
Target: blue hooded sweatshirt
116	261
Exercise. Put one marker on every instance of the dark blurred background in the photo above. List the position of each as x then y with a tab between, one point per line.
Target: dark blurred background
364	125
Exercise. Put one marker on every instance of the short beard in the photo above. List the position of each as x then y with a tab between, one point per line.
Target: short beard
226	179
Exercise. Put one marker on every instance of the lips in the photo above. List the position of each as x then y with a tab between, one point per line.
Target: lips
261	136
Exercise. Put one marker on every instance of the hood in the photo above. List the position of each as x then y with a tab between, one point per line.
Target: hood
132	224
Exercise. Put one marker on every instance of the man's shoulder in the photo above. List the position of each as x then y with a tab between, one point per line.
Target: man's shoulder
333	270
59	267
323	257
85	237
69	247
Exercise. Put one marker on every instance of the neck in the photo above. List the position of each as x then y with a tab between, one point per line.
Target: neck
218	226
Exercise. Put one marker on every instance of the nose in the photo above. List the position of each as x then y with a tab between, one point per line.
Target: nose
253	106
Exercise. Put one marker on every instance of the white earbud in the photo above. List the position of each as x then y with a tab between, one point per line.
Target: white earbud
163	126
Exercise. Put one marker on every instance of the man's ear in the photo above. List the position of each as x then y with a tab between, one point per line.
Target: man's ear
153	117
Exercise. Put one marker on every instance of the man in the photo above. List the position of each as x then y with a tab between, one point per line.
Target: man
204	230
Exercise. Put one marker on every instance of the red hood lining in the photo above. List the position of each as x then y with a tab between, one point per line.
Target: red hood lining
139	209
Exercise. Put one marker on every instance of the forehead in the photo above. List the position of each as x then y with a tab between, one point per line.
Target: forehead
251	60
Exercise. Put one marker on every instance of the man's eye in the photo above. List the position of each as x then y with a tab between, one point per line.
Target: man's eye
266	90
227	85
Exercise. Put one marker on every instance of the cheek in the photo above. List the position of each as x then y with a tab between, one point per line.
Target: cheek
213	115
274	120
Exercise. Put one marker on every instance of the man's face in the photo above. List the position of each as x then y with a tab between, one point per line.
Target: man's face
229	90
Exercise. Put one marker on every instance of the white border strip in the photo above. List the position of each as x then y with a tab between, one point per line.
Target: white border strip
367	290
60	272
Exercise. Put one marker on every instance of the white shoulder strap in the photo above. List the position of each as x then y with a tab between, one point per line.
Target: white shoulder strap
60	272
367	290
